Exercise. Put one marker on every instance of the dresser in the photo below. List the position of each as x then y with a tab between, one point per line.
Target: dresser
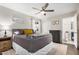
5	44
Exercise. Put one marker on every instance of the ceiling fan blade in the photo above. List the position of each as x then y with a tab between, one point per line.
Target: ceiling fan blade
36	8
45	6
49	10
39	12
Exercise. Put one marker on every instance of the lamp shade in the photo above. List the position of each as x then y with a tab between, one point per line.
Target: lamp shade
5	27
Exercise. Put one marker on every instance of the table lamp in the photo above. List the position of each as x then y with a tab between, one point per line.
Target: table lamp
5	28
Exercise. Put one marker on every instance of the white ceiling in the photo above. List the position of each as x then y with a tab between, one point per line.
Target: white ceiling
26	8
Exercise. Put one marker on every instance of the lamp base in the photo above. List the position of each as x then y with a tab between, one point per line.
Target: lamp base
5	35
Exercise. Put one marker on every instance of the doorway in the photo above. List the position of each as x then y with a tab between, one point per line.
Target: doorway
69	30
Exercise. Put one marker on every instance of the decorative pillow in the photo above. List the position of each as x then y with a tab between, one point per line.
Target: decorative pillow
28	31
18	32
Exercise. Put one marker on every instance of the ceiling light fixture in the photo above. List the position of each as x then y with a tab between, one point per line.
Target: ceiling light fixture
44	13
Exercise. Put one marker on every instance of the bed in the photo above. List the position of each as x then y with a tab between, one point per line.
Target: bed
36	44
31	43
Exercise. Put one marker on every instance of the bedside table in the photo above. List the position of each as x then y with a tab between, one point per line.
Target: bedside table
5	44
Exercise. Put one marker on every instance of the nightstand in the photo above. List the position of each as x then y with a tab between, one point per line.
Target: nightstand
5	44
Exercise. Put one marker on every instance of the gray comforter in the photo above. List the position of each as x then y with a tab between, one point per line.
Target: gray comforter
33	43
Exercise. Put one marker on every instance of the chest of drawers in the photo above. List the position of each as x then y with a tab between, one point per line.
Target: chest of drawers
5	44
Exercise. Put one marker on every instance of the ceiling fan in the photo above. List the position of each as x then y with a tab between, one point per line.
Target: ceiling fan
43	9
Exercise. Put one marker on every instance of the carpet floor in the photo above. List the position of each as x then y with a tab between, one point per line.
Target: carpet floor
58	49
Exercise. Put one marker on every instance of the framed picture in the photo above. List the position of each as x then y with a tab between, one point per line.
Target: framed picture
55	22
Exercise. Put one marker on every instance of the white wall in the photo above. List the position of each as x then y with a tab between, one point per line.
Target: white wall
6	20
49	24
55	24
7	28
22	24
46	25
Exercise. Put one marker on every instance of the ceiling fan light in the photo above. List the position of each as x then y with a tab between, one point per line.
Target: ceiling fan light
42	12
